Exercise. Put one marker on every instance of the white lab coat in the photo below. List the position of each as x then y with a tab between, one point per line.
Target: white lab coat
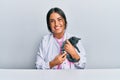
49	48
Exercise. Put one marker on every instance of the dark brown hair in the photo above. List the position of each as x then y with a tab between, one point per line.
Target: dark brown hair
57	10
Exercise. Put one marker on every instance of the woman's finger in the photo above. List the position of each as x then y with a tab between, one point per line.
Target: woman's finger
67	41
64	54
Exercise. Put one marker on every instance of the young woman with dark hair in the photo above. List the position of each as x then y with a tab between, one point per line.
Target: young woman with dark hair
50	55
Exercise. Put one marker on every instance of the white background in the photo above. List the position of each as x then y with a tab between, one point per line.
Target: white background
23	23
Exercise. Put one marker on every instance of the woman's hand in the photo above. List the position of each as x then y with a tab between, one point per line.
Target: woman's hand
71	50
58	60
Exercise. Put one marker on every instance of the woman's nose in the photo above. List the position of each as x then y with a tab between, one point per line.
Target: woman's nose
56	23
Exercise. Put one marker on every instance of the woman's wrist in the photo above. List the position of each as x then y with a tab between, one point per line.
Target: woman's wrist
75	56
51	64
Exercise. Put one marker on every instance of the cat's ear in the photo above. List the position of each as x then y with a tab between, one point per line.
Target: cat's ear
79	38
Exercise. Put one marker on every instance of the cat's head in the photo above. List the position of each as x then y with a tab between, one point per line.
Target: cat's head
74	40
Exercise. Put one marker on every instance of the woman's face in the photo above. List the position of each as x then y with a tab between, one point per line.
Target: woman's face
57	23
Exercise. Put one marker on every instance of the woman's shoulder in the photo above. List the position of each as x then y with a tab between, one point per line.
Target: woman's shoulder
46	37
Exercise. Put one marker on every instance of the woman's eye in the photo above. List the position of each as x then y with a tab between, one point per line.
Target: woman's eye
59	19
51	21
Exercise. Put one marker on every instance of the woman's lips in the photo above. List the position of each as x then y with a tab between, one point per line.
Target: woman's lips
56	28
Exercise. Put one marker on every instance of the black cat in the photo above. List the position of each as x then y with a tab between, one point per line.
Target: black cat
73	40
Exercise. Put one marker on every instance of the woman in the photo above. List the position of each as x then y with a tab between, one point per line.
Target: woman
50	55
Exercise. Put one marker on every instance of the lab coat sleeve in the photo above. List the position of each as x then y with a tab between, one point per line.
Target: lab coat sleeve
82	62
40	58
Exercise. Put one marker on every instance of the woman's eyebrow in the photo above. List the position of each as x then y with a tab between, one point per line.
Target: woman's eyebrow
59	18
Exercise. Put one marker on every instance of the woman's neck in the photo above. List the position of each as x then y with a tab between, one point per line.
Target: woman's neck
58	36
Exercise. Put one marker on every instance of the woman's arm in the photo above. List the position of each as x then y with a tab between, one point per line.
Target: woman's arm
40	57
82	62
81	57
